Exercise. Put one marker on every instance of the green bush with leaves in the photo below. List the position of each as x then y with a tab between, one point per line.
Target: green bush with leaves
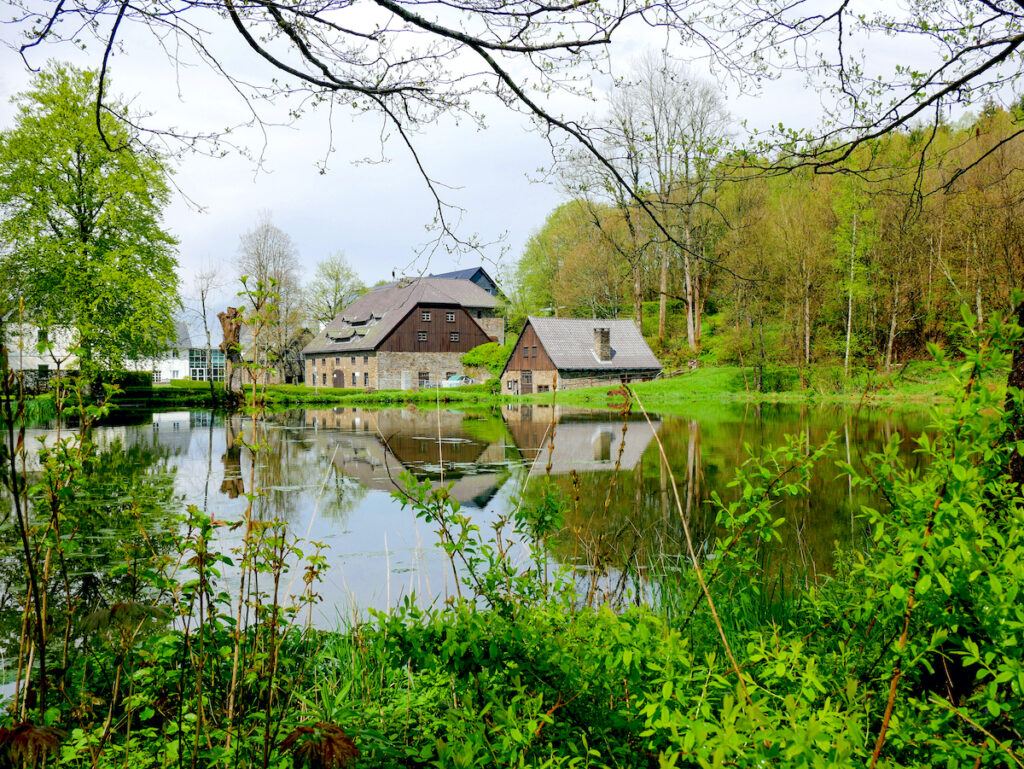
490	355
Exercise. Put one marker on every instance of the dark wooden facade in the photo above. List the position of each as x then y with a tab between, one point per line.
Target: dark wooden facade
405	336
536	360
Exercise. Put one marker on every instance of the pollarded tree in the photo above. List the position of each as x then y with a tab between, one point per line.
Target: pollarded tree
85	246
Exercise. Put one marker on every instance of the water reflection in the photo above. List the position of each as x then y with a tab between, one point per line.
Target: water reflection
330	474
374	447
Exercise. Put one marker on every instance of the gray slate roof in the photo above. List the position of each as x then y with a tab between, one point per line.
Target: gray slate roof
365	323
183	339
569	343
465	274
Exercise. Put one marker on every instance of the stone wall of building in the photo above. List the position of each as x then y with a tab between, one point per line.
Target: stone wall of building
400	370
388	370
511	383
494	328
358	364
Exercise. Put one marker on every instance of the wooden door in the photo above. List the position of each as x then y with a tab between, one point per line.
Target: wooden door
338	378
527	383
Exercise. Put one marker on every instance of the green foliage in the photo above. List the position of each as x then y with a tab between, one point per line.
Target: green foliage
334	282
490	355
909	654
801	267
85	247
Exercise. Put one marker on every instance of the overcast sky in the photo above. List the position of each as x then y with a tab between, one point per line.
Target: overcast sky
377	213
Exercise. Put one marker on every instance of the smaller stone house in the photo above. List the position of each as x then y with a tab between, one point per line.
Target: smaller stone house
577	352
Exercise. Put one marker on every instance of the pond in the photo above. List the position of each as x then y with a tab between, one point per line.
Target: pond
331	474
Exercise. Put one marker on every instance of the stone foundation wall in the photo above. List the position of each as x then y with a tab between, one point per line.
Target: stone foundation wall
511	381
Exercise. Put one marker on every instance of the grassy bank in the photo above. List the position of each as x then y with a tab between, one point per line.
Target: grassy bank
919	383
301	394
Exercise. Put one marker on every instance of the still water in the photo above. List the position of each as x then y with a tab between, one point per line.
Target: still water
331	474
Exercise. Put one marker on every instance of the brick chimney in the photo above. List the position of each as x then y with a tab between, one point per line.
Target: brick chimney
603	344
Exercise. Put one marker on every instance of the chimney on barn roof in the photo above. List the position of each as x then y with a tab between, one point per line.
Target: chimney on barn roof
603	344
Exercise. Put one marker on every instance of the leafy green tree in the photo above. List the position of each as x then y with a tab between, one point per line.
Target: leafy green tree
333	284
83	242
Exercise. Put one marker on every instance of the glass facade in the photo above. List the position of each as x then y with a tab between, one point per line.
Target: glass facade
200	370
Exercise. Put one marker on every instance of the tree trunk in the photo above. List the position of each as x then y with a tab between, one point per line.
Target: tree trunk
638	296
663	295
698	305
209	353
1015	408
760	359
807	315
231	325
892	323
688	281
849	301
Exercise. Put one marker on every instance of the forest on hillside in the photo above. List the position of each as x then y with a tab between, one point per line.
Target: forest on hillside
761	260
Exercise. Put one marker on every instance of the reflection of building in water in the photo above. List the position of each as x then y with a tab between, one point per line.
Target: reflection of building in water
582	442
374	447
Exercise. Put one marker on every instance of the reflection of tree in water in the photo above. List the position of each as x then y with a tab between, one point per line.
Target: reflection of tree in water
626	519
126	490
631	519
289	463
342	495
233	484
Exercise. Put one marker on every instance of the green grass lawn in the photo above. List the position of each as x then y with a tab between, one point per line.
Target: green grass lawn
918	383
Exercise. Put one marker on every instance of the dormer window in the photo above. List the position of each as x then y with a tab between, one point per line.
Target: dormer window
425	315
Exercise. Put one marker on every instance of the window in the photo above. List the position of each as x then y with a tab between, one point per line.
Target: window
323	362
527	379
479	314
366	359
526	351
174	373
423	377
425	315
354	380
509	387
453	336
337	361
156	377
449	374
366	379
450	317
353	360
543	388
217	366
421	336
324	379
